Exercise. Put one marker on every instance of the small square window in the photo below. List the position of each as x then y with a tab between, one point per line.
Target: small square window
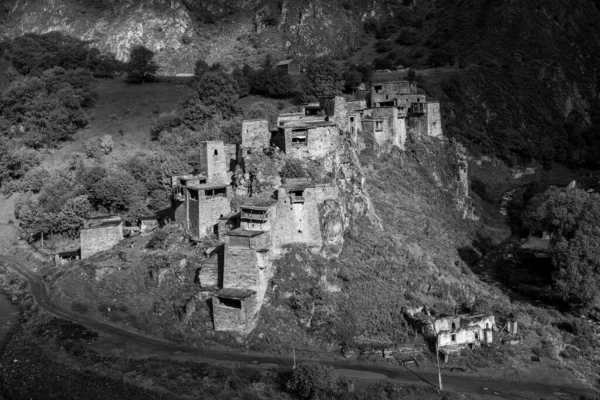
454	338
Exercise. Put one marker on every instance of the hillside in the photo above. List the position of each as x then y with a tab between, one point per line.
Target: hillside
232	33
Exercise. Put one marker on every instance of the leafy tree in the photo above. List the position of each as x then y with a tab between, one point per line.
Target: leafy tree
117	192
260	110
352	79
572	217
322	79
215	93
314	381
141	64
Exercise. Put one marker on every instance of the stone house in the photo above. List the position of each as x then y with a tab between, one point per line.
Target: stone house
198	207
67	256
291	67
228	223
99	234
307	139
386	94
247	270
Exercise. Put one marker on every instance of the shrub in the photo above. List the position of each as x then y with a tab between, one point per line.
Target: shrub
407	37
293	168
383	46
310	381
98	146
78	307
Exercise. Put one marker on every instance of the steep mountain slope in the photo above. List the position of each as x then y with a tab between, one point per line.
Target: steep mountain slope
530	83
219	31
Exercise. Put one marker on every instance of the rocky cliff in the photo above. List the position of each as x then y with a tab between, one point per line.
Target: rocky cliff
181	31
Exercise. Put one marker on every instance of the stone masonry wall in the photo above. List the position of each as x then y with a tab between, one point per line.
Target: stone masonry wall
299	223
319	141
208	214
336	109
397	133
99	239
255	133
434	119
213	163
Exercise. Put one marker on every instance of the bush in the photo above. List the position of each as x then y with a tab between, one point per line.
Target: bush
293	168
78	307
383	46
407	37
98	146
314	381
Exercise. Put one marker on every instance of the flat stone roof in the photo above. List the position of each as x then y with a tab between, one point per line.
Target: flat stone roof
297	184
208	186
258	207
230	215
237	294
102	221
244	233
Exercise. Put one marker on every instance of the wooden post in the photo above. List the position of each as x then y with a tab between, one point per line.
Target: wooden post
294	349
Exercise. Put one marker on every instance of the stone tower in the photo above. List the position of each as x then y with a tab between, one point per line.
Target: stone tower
213	161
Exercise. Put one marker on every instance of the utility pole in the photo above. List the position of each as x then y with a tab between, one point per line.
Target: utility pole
294	350
437	357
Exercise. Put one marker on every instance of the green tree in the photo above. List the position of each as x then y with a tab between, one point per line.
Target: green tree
314	381
572	217
141	64
322	79
218	92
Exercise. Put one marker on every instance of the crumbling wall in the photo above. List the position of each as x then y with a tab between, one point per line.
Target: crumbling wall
416	126
228	318
332	220
180	212
320	141
208	213
242	270
299	223
336	109
99	239
255	133
462	336
434	119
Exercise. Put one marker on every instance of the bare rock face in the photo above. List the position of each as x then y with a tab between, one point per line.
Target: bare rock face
181	31
332	228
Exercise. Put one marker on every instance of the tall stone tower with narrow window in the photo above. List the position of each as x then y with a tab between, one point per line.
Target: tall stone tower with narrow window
213	161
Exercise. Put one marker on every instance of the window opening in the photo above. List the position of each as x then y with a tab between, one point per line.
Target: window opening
453	326
194	194
216	152
232	303
378	126
454	338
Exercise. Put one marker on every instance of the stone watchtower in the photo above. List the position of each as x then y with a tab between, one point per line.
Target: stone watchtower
213	161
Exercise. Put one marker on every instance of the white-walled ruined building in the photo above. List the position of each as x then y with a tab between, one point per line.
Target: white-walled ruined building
456	332
307	139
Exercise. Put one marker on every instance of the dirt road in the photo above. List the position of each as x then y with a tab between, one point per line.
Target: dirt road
458	382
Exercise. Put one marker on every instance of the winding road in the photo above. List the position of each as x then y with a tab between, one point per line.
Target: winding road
457	381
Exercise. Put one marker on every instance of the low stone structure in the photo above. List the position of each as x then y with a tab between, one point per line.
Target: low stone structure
65	257
147	223
99	234
291	66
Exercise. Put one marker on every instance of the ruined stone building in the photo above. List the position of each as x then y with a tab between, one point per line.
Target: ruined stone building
198	206
247	270
99	234
307	139
298	215
199	200
291	67
456	332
